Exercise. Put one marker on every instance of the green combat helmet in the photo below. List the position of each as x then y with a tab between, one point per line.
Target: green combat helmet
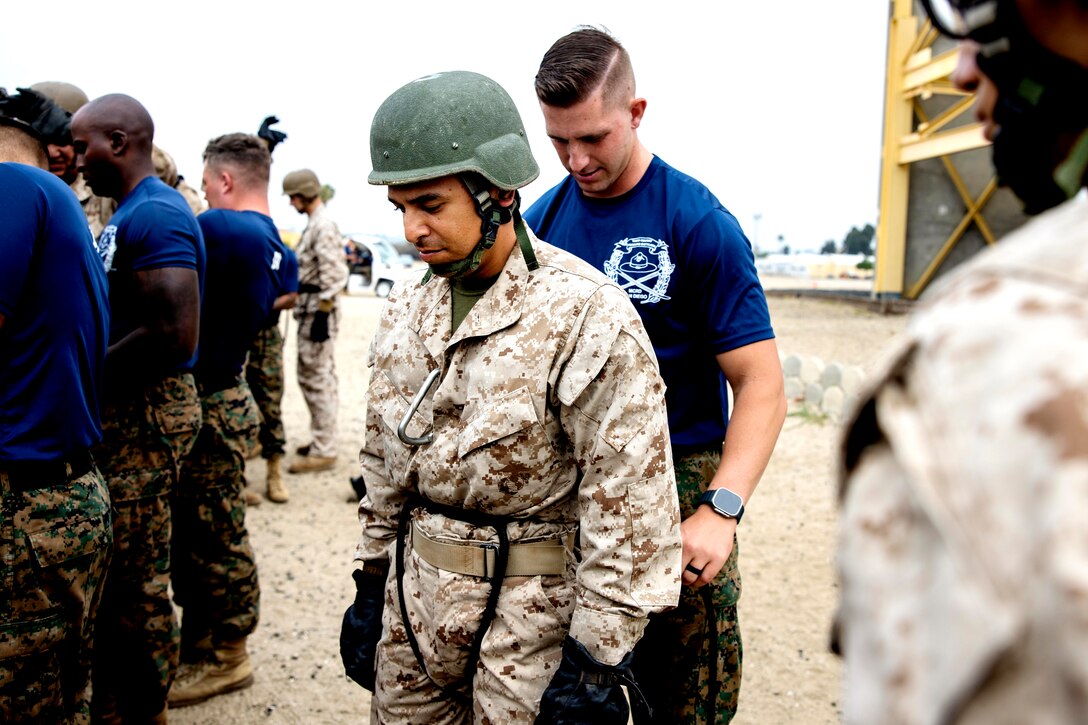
448	123
460	124
165	168
302	182
70	98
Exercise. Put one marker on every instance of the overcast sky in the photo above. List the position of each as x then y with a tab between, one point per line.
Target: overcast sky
775	106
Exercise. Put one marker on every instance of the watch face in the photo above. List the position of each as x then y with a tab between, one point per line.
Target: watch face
726	502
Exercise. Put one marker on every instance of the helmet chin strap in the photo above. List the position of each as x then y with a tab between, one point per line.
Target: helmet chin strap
1039	111
492	216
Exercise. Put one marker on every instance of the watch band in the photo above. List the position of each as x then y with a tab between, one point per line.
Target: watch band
724	502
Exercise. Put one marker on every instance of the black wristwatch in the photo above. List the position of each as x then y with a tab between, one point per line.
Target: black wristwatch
725	502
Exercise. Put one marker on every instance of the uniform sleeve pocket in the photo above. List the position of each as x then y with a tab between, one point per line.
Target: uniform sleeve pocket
504	417
655	540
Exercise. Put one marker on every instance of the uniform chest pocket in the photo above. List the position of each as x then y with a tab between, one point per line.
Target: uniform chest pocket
506	444
390	407
504	417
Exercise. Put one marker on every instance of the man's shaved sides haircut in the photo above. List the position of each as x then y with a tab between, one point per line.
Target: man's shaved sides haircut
247	156
21	147
581	62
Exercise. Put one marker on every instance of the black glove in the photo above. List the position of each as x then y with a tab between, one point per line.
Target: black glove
359	486
270	135
585	691
46	118
319	328
362	627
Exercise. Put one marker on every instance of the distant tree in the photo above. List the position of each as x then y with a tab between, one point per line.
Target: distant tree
865	264
327	193
783	248
829	247
859	241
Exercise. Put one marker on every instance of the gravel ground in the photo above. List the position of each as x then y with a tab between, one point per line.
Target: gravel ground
304	548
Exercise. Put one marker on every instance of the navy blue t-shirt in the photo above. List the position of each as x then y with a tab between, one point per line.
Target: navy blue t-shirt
245	259
153	228
288	284
54	300
690	272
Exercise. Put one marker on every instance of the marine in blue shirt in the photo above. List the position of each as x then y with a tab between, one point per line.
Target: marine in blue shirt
55	320
689	270
153	252
245	263
215	572
55	533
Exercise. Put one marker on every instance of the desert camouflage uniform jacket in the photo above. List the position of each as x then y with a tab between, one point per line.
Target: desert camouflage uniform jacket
550	410
97	209
321	262
964	544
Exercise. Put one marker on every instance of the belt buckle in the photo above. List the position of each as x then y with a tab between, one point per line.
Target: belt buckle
490	553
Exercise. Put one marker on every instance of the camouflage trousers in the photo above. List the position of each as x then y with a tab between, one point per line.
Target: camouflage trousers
264	374
688	662
145	434
55	544
317	378
518	656
215	573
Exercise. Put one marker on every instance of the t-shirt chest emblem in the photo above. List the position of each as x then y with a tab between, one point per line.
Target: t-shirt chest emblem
106	245
641	267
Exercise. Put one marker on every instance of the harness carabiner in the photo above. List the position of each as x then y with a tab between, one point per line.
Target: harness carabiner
402	429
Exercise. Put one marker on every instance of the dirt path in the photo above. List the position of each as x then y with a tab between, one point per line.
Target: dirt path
304	549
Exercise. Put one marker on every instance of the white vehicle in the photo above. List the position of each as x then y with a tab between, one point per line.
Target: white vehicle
375	264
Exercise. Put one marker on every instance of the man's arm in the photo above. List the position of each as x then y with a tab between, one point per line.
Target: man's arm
613	409
170	299
759	409
285	302
332	269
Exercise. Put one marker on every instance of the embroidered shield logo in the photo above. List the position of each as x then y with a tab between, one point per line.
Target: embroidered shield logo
107	246
641	267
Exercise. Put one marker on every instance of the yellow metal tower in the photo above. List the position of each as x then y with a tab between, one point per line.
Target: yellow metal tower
916	74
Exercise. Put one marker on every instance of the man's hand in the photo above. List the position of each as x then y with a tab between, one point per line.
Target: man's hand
708	542
319	328
362	627
271	136
48	119
584	690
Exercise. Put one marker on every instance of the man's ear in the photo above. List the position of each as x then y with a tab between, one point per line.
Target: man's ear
118	142
638	110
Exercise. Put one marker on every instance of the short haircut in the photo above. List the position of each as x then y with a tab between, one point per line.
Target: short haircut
21	146
245	153
581	62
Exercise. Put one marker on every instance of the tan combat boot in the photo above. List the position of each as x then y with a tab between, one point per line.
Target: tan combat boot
228	671
312	464
251	498
277	489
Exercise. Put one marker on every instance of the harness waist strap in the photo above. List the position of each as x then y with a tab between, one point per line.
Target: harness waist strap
477	558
